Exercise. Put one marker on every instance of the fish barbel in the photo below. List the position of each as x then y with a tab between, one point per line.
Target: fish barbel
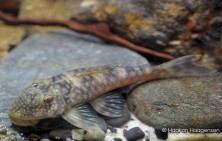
80	94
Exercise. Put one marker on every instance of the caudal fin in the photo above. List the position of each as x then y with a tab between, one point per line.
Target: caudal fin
184	66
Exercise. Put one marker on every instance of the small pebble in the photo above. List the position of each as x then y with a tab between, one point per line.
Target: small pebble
68	139
77	134
44	140
117	139
34	137
60	134
133	134
112	129
88	134
160	134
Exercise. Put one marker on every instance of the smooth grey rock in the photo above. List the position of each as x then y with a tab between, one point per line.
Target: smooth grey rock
191	102
133	134
45	55
117	139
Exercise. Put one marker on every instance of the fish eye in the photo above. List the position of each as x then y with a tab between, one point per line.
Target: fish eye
35	85
48	99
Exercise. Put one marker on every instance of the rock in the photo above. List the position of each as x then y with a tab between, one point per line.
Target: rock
78	134
150	134
9	134
44	140
44	9
69	139
117	139
118	121
216	23
88	134
57	10
168	32
191	102
133	134
34	137
60	134
161	133
46	55
12	39
112	129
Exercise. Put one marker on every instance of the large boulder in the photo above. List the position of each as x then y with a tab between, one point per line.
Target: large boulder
182	103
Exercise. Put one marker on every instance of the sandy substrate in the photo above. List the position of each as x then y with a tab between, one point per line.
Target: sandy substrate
150	133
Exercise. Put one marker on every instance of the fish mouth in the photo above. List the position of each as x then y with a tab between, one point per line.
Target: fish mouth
23	122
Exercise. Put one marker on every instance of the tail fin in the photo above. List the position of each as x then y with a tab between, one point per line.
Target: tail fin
184	66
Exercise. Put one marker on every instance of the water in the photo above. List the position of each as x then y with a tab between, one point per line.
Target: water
4	120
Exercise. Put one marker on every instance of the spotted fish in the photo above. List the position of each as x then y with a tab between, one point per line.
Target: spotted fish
80	94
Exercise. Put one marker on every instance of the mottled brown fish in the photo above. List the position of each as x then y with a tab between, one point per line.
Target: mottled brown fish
75	94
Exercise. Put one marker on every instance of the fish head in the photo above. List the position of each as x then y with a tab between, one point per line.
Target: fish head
39	101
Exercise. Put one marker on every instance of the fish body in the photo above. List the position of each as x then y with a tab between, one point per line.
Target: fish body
67	94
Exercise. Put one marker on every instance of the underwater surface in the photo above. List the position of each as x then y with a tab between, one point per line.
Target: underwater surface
88	70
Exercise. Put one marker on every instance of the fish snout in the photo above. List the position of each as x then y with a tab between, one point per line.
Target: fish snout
14	118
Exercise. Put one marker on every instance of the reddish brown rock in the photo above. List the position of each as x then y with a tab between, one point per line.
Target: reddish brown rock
176	27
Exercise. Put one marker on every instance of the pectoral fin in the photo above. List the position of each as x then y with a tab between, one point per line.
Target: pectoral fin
112	105
84	116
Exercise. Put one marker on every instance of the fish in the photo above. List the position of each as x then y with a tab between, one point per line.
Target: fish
79	95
